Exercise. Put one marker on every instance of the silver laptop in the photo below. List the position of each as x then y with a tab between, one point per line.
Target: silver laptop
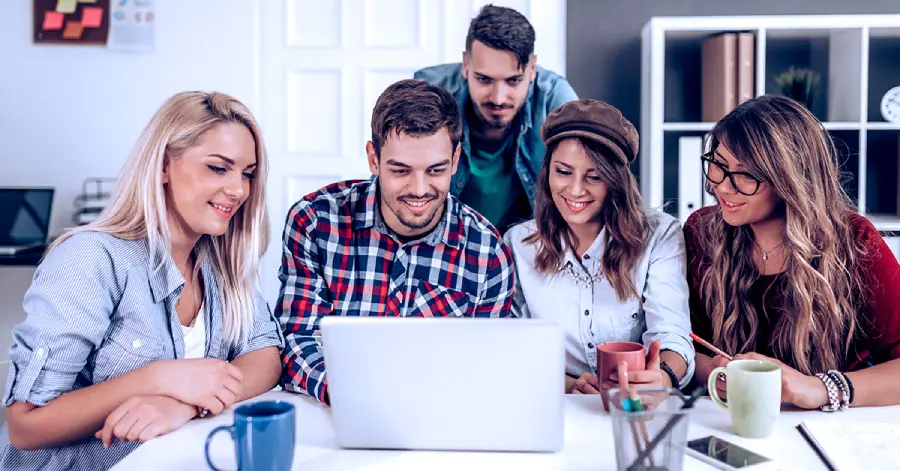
24	219
459	384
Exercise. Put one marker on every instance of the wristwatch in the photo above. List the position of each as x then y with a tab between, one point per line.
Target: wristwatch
673	378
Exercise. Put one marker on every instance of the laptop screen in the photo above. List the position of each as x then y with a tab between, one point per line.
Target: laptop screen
25	214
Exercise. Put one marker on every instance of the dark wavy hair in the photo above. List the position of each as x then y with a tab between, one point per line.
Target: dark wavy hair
622	214
778	139
503	29
415	108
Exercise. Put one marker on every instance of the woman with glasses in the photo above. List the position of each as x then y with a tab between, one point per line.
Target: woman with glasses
596	260
783	269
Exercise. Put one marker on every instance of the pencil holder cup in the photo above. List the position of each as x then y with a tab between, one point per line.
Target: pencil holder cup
635	429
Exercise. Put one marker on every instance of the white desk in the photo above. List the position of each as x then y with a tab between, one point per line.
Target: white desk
588	443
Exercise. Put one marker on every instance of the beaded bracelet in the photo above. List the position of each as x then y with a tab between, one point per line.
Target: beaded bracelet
849	386
834	403
842	386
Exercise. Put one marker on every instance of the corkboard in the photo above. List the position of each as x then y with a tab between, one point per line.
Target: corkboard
71	21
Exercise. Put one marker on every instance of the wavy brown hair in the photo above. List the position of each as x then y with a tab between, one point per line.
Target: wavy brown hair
622	214
781	143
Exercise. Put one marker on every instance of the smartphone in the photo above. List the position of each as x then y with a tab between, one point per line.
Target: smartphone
727	456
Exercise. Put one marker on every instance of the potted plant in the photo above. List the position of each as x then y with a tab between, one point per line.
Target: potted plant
800	84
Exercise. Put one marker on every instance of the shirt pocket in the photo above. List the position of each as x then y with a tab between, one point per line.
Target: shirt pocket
631	322
437	301
125	349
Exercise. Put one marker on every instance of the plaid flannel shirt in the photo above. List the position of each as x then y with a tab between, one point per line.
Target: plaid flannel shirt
340	259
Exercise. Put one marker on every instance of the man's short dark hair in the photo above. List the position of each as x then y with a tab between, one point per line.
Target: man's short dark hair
503	29
415	108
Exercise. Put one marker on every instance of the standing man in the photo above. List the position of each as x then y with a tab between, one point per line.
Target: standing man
505	98
395	245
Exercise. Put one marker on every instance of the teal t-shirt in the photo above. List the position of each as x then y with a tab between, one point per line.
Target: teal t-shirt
493	188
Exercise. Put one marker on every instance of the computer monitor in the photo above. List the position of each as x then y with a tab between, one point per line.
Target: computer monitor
24	218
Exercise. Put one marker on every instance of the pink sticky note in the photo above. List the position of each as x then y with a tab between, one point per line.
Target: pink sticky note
53	20
91	17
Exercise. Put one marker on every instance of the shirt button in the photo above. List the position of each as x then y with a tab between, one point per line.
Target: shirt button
39	353
587	257
590	345
136	344
587	312
634	316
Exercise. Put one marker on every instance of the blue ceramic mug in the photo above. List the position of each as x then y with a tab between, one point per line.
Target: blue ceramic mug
263	434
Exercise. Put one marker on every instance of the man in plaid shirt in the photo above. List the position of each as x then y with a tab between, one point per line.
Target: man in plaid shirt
396	245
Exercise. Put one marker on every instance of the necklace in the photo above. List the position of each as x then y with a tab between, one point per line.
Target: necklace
765	254
585	280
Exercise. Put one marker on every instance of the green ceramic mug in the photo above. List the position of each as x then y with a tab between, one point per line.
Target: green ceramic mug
754	396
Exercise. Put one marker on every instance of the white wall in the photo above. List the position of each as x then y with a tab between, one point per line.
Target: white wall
72	112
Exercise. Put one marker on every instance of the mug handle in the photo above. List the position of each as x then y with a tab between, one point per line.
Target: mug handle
711	386
221	428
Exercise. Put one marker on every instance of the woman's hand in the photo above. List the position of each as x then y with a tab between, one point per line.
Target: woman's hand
204	382
720	361
805	392
145	417
650	377
586	384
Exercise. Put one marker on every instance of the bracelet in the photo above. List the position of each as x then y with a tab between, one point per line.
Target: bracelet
849	386
673	378
834	403
842	385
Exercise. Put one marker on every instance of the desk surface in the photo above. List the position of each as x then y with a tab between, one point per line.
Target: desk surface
588	442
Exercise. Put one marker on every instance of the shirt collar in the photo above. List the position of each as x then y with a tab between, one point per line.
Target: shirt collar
165	278
368	215
594	252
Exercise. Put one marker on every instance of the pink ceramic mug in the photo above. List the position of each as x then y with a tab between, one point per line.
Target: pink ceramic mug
610	354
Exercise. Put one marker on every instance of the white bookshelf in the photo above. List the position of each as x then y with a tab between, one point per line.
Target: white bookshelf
858	57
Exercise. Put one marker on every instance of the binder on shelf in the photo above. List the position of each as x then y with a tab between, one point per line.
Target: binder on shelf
718	62
690	176
745	67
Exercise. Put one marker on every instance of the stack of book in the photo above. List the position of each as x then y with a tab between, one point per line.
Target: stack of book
729	67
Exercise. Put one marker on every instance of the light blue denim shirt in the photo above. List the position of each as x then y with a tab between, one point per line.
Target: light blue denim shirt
593	315
546	93
97	309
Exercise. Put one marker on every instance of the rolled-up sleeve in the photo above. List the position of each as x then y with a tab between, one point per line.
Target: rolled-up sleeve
68	308
265	330
666	296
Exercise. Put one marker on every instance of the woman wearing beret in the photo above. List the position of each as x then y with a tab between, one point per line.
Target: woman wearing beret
596	260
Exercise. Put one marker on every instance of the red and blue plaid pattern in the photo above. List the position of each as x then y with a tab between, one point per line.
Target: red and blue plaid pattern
340	259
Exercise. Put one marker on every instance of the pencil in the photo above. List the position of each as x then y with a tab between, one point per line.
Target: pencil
711	347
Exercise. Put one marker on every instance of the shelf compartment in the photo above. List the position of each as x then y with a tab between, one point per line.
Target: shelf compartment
882	158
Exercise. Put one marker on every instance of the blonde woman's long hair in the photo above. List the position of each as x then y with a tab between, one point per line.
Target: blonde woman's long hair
785	146
138	205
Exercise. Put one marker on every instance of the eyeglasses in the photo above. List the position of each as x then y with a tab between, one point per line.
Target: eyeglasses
715	172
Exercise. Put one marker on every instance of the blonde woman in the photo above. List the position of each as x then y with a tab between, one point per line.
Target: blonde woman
783	269
149	316
596	260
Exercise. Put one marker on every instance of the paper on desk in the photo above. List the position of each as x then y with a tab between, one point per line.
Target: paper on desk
856	446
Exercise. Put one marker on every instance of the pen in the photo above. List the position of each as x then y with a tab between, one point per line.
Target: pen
711	347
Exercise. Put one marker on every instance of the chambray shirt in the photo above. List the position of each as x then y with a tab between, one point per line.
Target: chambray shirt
97	309
546	93
593	315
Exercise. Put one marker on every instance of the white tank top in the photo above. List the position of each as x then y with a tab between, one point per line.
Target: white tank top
195	336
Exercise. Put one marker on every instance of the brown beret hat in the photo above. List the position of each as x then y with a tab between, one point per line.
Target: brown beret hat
595	120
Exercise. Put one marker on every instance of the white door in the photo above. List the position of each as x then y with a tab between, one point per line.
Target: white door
323	65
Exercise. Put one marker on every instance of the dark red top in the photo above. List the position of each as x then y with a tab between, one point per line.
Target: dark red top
878	327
